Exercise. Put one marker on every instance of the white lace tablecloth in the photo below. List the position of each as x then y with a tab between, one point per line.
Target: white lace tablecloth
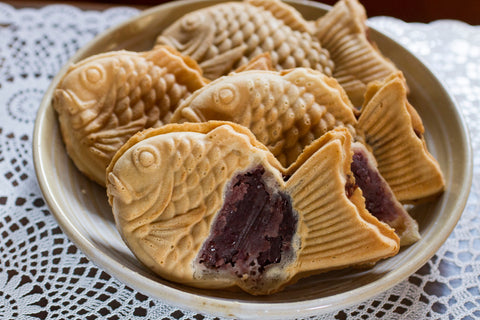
44	276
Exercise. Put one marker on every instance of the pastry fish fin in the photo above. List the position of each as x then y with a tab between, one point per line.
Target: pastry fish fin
263	61
222	63
186	70
158	240
180	221
343	32
105	143
335	228
399	148
283	12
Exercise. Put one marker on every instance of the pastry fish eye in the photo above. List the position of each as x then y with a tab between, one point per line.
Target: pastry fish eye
145	157
192	22
93	75
226	97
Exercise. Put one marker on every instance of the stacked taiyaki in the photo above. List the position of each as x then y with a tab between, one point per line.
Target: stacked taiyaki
250	147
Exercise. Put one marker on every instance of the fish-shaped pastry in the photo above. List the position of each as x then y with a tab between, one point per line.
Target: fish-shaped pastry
105	99
223	37
394	130
285	110
205	204
344	33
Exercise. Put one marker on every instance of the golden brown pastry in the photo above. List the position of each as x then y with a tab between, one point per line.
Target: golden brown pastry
206	205
105	99
223	37
285	110
394	130
344	33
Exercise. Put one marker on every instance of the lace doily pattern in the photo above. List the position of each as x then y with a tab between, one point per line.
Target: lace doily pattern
44	276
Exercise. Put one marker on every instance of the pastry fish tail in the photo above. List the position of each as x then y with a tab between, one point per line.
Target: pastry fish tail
185	69
344	33
335	229
391	128
283	12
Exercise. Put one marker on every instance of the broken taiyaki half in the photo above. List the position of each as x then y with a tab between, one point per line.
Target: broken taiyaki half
336	228
223	37
103	100
394	130
285	110
206	205
344	33
380	201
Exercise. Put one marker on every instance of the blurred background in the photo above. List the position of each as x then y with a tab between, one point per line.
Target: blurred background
407	10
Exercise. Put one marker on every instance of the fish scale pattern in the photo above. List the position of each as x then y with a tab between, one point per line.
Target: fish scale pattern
138	83
262	32
237	32
175	82
147	91
290	123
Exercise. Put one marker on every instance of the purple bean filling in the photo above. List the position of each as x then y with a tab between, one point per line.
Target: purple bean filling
253	230
379	200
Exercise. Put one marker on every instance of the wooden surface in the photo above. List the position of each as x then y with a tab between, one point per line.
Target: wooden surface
408	10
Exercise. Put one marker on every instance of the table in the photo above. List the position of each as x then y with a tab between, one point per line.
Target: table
44	276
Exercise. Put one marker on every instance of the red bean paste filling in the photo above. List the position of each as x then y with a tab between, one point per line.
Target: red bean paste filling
379	199
253	230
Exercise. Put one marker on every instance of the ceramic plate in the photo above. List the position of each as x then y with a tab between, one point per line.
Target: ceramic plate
80	206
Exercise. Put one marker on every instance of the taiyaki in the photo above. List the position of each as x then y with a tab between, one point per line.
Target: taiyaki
105	99
394	130
206	205
285	110
223	37
344	33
